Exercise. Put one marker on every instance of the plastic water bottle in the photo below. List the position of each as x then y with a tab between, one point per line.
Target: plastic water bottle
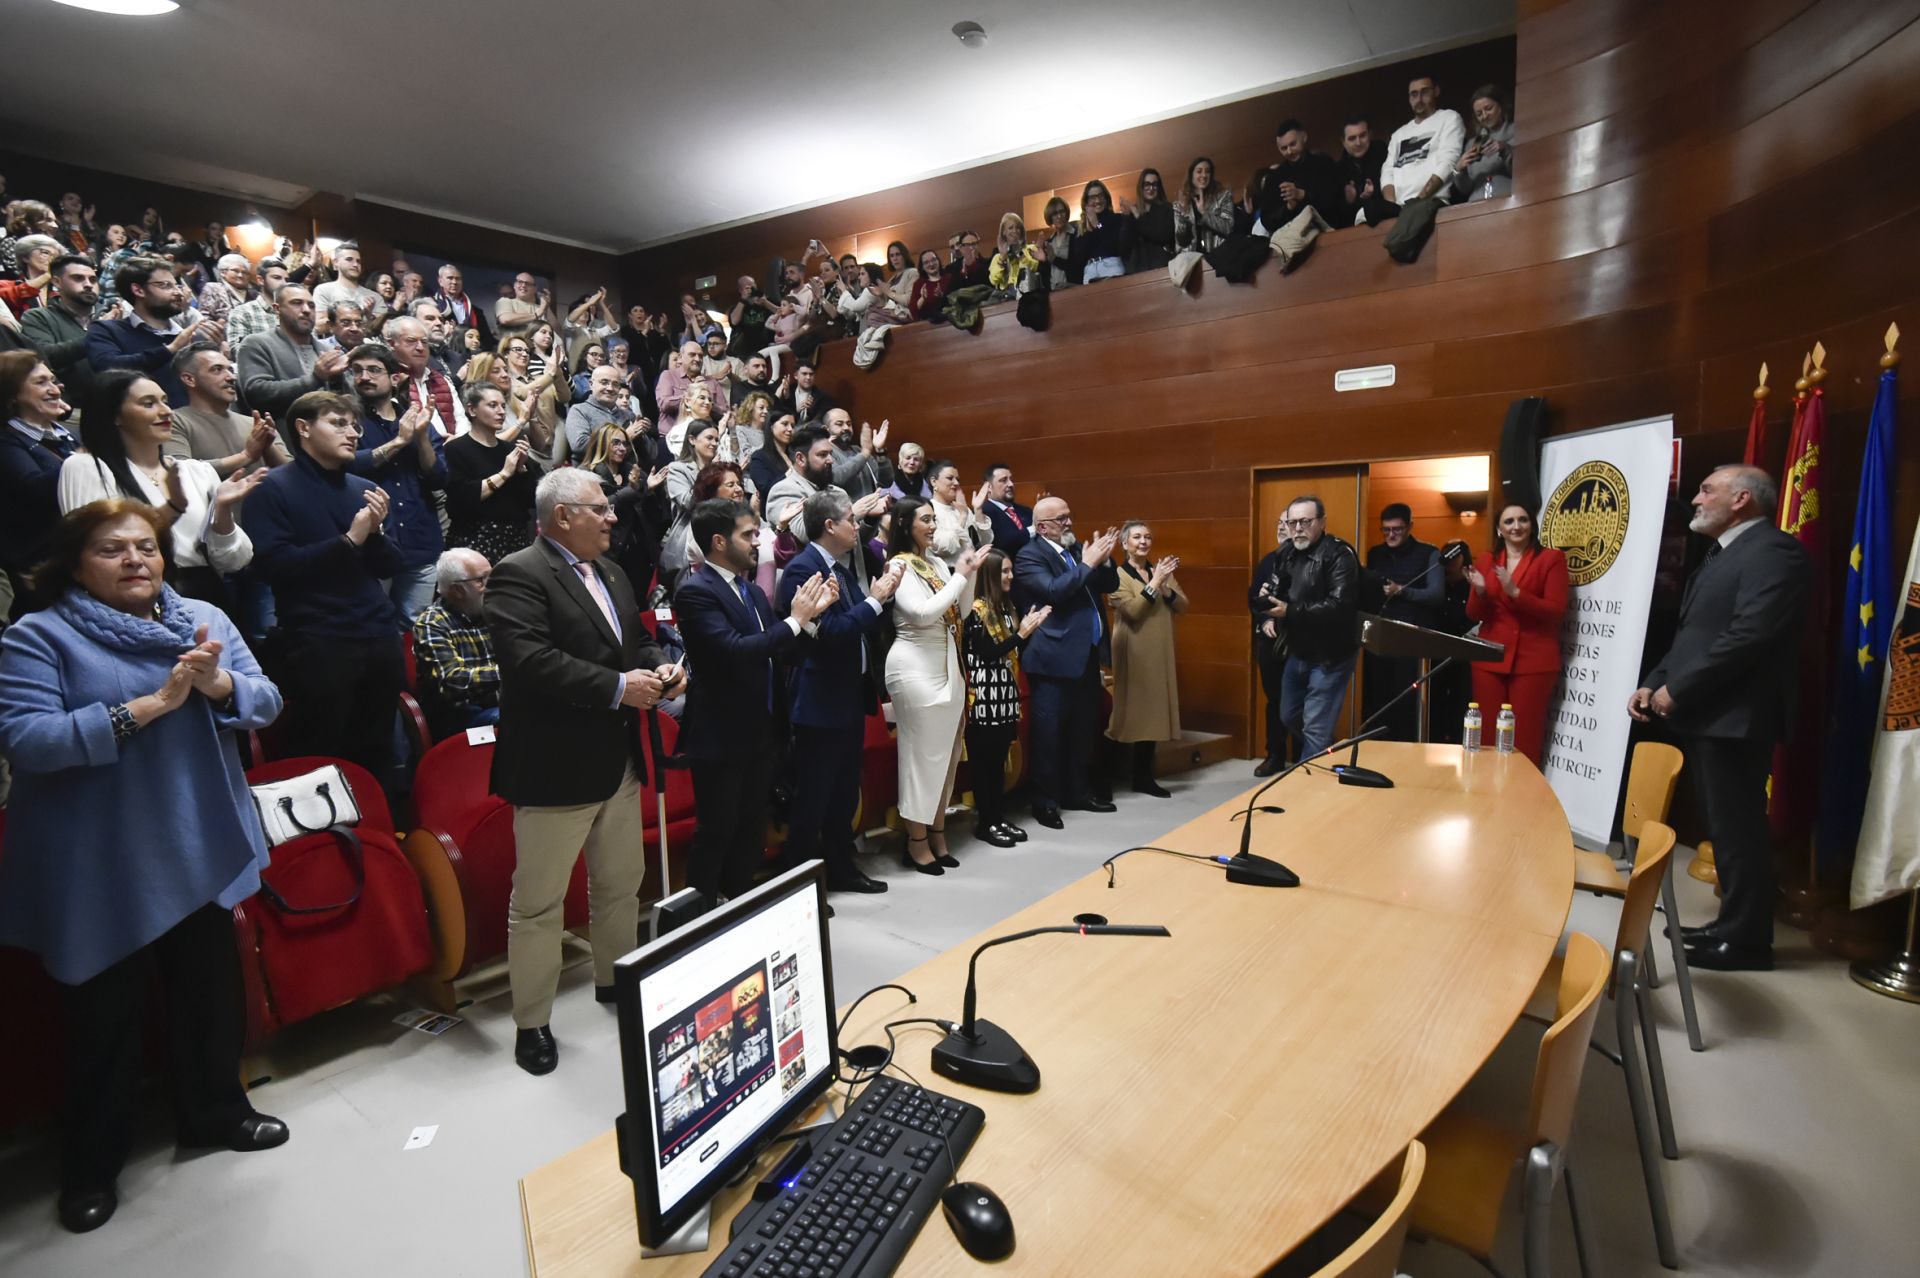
1503	730
1471	737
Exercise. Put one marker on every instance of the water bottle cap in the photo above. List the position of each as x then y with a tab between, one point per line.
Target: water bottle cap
1506	705
1473	705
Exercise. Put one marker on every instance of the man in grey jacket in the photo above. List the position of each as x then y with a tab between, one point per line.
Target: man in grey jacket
860	462
279	366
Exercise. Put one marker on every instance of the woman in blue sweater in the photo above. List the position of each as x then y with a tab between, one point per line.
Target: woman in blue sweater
131	834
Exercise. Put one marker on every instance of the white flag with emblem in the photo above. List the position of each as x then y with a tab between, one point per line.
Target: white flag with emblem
1887	857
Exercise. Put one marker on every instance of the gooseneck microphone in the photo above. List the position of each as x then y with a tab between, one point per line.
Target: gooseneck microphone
978	1052
1248	868
1350	772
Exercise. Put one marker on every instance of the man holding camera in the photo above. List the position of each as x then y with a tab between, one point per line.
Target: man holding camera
1304	597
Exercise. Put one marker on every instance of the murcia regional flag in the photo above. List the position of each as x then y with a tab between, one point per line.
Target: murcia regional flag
1887	861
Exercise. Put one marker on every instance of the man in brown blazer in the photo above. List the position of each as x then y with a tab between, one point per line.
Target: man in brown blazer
576	670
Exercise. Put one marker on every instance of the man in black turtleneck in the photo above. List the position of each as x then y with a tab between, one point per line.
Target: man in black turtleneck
1403	583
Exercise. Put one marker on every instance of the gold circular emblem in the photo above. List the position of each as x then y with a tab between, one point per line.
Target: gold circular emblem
1586	519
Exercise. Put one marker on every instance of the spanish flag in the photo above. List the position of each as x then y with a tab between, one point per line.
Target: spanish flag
1865	626
1796	764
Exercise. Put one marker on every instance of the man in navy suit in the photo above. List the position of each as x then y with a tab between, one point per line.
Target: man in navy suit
1012	522
1062	659
832	691
735	711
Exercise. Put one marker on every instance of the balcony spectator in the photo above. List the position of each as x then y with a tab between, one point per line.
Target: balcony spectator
901	275
1302	179
1105	239
207	429
1152	214
228	287
1016	264
966	268
401	453
490	482
1484	170
528	302
1056	241
1357	169
250	319
58	329
279	367
930	290
345	286
454	665
1422	153
148	339
460	310
750	319
1203	212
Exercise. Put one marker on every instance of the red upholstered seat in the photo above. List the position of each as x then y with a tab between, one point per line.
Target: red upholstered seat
294	966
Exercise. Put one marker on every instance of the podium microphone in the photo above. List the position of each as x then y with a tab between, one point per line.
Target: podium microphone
980	1053
1350	772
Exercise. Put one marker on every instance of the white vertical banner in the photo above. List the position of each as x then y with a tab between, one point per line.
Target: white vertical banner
1605	494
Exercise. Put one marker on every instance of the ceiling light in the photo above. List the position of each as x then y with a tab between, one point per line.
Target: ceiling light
126	8
971	34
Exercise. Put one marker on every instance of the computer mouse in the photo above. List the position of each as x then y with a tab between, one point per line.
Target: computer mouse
979	1220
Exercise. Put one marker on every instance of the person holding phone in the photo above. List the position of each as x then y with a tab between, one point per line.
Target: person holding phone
1484	170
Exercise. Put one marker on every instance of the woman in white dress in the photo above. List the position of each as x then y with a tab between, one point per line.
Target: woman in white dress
960	525
923	678
124	422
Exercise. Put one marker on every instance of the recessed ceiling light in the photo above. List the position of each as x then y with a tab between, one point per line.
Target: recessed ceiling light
971	34
126	8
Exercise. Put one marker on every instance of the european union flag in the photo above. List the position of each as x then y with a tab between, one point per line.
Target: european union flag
1864	631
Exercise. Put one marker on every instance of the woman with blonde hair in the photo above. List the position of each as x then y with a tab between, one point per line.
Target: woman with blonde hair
1146	695
1015	262
533	394
1105	241
1056	242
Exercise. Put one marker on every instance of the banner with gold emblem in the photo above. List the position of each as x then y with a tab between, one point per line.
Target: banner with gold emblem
1887	856
1606	499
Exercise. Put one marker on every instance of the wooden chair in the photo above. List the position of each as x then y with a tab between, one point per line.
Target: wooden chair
1631	1008
1376	1253
1651	780
1471	1158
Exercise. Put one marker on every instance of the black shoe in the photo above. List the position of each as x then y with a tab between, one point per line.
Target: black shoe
996	835
929	867
1716	955
255	1131
1101	793
1689	934
1092	804
1009	828
948	860
84	1210
854	881
535	1051
1268	766
1152	787
1049	817
606	993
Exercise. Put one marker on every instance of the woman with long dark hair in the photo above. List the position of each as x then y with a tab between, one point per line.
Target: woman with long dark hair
124	421
1152	214
924	682
1519	596
1105	241
990	646
1203	215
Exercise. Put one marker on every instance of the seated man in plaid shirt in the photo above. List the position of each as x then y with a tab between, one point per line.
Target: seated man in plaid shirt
452	651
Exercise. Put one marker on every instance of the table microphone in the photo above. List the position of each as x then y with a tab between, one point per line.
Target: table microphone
980	1053
1350	772
1244	867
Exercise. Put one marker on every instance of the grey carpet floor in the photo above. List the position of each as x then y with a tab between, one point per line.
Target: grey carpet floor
1799	1127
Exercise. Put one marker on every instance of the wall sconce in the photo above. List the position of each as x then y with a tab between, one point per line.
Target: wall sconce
1467	505
1373	377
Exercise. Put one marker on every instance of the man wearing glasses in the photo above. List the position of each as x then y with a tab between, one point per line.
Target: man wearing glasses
529	303
576	668
1303	599
458	677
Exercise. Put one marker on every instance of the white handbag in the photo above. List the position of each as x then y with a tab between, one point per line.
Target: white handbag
307	804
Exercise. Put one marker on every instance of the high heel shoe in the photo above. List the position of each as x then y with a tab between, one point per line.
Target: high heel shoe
931	867
942	858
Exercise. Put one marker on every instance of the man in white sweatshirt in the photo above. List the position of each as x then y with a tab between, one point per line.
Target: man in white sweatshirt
1422	152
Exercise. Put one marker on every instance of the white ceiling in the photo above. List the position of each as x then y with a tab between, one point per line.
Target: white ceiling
621	123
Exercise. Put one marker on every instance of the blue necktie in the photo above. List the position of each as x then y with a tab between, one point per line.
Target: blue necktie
740	586
1067	559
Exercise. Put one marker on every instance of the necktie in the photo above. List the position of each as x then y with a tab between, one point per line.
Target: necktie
1014	515
740	588
1712	550
1067	559
599	593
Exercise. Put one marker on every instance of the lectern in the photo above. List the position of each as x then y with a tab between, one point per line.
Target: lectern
1402	639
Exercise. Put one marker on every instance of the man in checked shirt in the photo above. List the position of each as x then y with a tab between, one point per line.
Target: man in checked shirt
452	651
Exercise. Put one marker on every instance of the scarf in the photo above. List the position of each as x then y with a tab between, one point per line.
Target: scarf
999	629
924	571
170	631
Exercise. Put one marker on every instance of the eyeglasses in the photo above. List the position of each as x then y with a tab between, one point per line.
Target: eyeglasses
481	580
969	243
1308	522
1057	519
598	509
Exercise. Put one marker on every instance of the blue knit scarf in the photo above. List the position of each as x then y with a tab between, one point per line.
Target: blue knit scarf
171	632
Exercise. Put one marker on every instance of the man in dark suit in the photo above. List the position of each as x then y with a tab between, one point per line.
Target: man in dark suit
833	690
1726	687
736	712
576	668
460	310
1062	659
1012	522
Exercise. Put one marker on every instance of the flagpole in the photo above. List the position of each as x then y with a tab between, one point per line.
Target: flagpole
1800	904
1899	976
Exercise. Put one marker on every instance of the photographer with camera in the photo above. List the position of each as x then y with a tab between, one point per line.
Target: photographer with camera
1303	598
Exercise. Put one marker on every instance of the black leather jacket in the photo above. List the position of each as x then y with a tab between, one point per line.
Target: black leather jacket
1322	588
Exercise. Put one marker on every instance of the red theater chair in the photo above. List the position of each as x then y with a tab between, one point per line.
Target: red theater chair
295	965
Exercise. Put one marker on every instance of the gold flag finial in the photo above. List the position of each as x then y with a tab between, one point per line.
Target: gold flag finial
1819	373
1762	390
1806	363
1892	357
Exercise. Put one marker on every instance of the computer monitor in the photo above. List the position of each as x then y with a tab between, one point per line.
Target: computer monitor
726	1038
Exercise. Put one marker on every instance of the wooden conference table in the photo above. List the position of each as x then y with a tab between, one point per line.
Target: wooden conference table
1208	1101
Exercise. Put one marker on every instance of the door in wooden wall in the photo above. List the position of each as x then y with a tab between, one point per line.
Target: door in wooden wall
1342	490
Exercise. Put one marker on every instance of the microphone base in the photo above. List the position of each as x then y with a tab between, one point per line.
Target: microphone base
990	1058
1260	872
1354	774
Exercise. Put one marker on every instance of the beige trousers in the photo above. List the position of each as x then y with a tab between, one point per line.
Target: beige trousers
547	842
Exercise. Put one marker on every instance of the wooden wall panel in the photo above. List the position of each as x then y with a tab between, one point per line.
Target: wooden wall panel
1678	218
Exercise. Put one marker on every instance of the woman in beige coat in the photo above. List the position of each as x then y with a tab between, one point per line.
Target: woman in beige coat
1146	696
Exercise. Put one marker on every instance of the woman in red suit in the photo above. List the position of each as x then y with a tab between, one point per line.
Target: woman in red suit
1519	596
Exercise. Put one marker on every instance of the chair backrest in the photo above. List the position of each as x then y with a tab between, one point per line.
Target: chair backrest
450	787
1650	859
1651	779
1563	1049
1376	1253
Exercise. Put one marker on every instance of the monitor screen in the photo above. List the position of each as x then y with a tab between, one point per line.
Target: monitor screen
726	1034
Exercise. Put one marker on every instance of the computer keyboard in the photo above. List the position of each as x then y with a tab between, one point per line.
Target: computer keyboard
869	1182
